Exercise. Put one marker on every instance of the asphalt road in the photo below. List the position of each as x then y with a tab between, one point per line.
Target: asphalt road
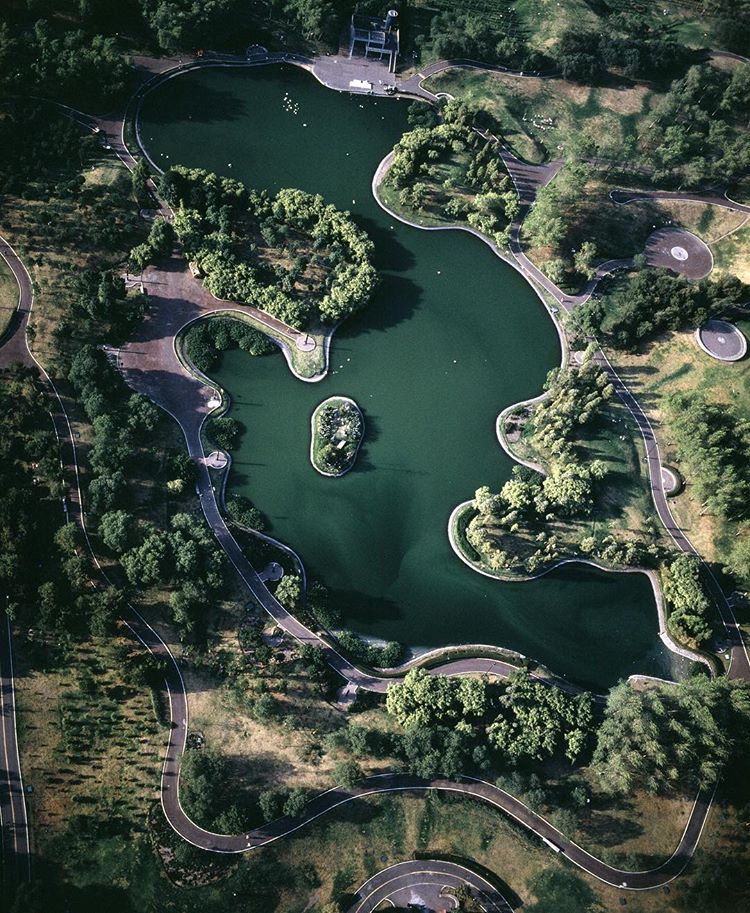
14	825
16	854
321	805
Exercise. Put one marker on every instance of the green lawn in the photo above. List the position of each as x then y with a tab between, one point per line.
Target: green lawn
542	119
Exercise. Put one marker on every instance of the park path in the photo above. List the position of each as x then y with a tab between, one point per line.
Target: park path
174	684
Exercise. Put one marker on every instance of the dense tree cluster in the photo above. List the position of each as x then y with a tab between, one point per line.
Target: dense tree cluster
522	720
732	24
190	24
184	554
662	738
714	442
537	720
43	570
39	146
370	654
476	34
206	792
243	511
292	255
207	339
481	194
688	601
102	296
30	484
652	301
65	63
703	126
527	502
157	245
629	44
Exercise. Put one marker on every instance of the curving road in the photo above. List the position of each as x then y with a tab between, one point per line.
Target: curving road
322	804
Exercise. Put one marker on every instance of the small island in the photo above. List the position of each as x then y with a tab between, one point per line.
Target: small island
337	426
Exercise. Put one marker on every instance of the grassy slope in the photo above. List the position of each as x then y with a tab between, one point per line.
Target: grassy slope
541	118
674	363
308	869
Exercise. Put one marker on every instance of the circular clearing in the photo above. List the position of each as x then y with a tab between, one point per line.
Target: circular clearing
670	480
305	342
680	251
721	340
429	885
217	459
273	572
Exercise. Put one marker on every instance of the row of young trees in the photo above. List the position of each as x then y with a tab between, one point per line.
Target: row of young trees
242	241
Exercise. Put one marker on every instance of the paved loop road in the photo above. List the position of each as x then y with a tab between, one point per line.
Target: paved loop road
423	883
326	802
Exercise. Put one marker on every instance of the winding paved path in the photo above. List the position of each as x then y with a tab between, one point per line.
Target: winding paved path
191	419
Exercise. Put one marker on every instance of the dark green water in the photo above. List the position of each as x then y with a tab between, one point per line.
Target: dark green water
453	336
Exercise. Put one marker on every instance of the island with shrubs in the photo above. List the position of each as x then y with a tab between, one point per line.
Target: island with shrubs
337	426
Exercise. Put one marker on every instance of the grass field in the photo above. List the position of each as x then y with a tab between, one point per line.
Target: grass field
91	744
543	119
8	296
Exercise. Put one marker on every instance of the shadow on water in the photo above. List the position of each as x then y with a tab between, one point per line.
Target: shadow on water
216	104
390	253
355	606
396	300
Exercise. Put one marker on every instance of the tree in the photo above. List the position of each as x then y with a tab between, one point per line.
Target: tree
143	416
117	529
139	178
271	804
146	564
289	591
106	492
225	432
347	774
294	804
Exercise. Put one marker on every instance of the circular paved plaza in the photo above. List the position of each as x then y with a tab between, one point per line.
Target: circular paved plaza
680	251
722	340
429	885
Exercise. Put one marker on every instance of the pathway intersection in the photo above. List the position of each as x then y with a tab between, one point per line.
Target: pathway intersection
185	396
